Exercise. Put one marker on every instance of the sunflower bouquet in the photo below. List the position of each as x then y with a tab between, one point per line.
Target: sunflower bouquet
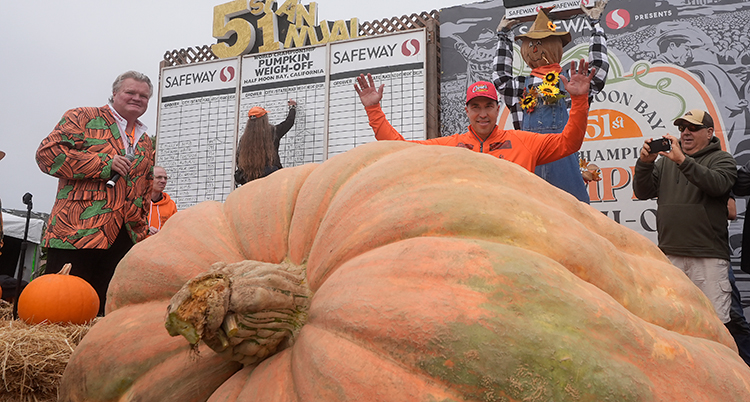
547	92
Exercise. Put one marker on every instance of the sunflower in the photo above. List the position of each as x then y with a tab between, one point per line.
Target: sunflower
551	78
548	91
528	103
551	26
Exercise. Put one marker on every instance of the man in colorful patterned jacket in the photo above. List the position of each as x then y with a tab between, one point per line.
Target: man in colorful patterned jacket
92	224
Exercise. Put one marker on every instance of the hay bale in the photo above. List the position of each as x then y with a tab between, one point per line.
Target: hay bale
33	357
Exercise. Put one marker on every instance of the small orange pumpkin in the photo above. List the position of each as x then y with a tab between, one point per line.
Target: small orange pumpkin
58	298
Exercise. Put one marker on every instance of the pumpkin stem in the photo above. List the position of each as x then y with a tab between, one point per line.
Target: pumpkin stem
65	270
230	325
247	310
176	326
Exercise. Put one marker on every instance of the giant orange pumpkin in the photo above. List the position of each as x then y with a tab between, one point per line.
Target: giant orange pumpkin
430	273
58	298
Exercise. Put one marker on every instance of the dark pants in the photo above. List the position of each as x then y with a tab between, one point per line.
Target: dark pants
96	266
737	325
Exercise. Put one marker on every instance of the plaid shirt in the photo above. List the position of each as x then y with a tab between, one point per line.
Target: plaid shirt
511	88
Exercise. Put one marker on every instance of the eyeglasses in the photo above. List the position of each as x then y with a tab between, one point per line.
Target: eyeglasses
161	177
690	127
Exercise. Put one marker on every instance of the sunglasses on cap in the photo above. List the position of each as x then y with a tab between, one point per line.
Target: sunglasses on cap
690	127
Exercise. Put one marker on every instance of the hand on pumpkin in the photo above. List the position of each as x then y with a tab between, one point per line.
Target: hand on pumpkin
506	25
580	78
368	94
595	12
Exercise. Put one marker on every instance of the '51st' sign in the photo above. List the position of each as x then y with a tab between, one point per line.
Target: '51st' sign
255	26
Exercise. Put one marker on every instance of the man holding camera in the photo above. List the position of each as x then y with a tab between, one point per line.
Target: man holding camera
103	160
692	181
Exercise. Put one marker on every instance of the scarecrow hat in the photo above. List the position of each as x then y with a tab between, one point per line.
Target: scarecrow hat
544	28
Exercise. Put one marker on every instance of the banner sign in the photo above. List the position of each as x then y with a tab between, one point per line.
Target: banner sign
666	58
526	10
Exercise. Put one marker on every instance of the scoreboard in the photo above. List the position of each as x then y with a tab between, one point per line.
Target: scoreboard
203	106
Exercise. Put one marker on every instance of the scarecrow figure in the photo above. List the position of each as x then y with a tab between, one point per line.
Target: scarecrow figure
538	103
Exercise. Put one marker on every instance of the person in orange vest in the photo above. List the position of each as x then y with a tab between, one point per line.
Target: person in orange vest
162	206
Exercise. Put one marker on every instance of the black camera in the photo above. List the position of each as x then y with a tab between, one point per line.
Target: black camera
660	144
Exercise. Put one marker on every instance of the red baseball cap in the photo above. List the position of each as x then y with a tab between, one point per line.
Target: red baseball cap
481	88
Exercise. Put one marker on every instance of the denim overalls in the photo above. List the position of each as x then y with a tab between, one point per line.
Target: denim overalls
565	173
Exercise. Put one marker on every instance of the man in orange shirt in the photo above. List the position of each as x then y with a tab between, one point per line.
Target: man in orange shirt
162	206
521	147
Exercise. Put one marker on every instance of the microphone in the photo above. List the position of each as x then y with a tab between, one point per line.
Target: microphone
111	182
27	200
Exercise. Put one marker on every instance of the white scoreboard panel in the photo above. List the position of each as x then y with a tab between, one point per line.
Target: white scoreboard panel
269	80
203	106
196	130
398	61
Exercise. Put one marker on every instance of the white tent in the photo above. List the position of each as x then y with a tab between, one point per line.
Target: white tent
14	226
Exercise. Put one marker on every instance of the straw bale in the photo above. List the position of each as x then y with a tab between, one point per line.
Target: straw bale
33	357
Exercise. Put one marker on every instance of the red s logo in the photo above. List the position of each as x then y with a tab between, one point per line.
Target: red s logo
227	74
410	47
618	19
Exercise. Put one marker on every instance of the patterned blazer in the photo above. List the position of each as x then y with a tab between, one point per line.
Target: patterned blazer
88	214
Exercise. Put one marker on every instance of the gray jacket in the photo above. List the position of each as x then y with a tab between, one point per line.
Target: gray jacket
692	201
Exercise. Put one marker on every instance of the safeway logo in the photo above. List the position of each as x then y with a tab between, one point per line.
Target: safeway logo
227	74
618	19
410	47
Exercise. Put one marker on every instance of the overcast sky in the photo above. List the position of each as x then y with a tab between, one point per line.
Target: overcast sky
57	55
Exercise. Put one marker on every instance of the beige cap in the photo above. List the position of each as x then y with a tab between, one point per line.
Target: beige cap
697	117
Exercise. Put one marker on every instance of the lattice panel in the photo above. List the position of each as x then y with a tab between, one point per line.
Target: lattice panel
396	24
377	27
189	55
